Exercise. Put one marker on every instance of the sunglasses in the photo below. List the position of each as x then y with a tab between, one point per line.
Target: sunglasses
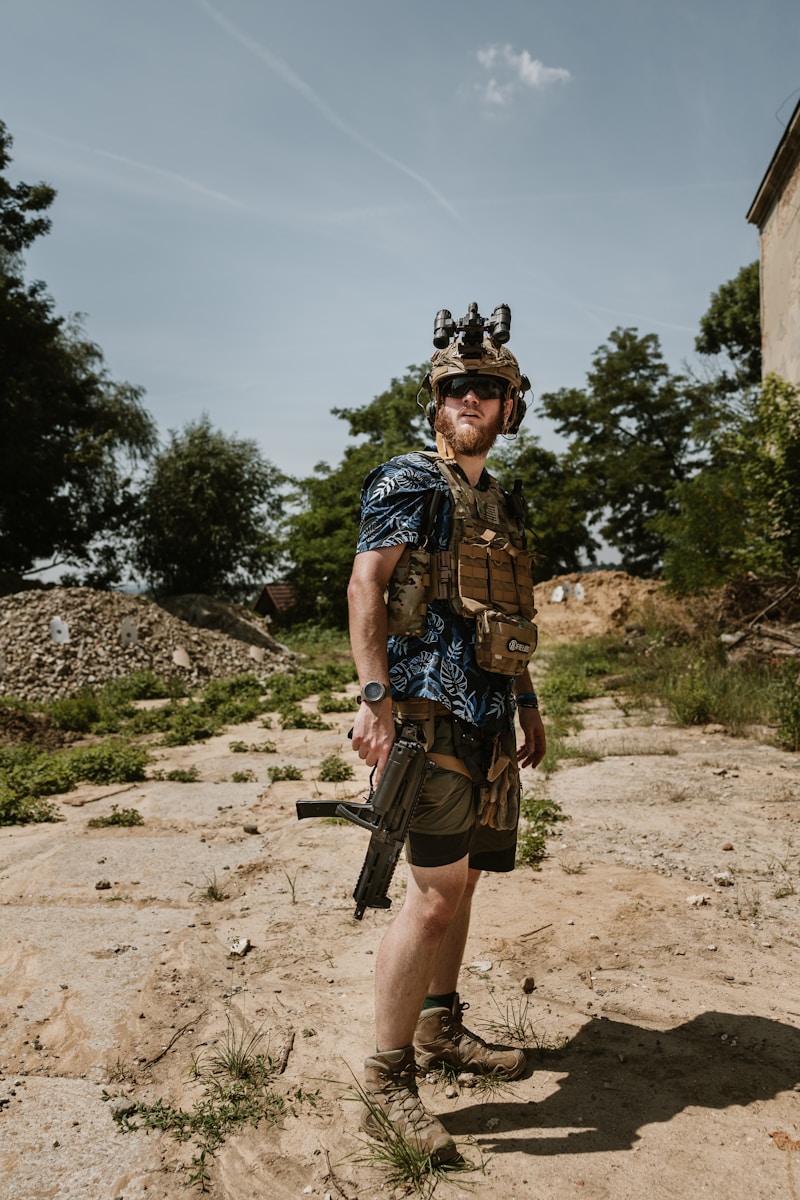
485	387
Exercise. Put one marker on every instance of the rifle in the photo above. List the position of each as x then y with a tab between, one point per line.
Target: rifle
386	814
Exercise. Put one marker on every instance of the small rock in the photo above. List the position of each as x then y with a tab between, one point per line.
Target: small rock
699	900
250	828
528	985
102	885
728	846
712	947
493	1122
122	1106
239	947
450	1092
481	966
467	1079
723	879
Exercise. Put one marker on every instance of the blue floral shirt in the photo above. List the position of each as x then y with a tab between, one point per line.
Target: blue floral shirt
439	663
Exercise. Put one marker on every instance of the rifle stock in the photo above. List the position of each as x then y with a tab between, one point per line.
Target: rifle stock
386	815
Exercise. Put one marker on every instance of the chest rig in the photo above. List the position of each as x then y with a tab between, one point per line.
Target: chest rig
484	574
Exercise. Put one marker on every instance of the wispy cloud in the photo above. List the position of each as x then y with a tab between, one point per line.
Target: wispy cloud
293	80
172	177
510	72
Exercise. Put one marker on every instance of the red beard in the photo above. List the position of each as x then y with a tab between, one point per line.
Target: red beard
472	440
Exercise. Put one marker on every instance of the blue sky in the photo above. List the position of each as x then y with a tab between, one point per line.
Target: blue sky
261	206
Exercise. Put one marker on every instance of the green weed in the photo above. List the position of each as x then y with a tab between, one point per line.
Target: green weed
292	716
538	818
277	774
237	1089
328	703
403	1166
211	888
334	769
117	816
787	707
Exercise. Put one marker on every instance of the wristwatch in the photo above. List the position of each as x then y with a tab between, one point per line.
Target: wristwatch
373	692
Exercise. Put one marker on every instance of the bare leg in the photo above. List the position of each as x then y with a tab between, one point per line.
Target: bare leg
408	953
451	949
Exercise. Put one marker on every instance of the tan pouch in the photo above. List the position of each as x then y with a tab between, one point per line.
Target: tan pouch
503	583
523	574
504	642
409	592
473	578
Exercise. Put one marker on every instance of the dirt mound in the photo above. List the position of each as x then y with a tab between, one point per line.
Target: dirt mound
592	604
207	612
32	729
54	642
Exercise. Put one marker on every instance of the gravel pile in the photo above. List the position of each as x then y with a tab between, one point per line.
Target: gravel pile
56	641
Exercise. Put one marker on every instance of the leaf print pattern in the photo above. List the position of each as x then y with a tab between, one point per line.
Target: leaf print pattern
439	663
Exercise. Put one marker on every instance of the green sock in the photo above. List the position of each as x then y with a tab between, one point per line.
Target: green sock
439	1001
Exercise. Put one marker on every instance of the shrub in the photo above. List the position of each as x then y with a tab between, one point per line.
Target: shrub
292	716
117	816
111	761
334	769
77	713
539	817
787	705
289	771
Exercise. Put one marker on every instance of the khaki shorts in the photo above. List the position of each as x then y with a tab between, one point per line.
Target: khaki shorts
445	827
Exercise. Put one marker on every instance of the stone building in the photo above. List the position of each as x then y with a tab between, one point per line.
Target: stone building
776	212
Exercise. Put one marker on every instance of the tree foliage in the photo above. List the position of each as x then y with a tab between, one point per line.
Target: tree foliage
322	529
207	515
731	327
558	507
630	442
66	427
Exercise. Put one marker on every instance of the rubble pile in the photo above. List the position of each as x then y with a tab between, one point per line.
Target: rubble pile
56	641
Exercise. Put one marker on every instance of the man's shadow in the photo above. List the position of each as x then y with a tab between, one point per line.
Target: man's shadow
619	1078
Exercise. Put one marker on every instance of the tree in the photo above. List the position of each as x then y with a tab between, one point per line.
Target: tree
731	326
207	514
715	524
770	456
556	502
631	442
322	531
66	428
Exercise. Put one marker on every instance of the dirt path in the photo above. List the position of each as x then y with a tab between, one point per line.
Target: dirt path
662	935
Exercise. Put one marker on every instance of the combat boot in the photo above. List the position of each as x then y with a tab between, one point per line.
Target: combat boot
440	1037
391	1085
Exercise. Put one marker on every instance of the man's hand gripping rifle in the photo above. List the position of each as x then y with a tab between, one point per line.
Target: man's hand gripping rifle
386	814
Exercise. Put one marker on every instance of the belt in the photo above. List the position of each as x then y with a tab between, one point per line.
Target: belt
420	710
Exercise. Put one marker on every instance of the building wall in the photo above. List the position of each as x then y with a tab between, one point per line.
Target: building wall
780	284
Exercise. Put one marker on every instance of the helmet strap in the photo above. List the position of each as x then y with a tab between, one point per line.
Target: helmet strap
444	447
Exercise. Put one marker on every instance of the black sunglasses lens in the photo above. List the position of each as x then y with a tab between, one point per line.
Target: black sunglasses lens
485	387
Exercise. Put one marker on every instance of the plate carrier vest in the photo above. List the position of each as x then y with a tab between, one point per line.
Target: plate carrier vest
485	573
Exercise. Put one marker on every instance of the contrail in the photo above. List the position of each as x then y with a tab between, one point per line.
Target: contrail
173	176
294	81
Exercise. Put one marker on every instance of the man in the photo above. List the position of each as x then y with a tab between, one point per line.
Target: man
440	588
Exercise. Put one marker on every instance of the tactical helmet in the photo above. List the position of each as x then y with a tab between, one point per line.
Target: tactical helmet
476	353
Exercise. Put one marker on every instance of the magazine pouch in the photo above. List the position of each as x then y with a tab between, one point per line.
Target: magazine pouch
504	642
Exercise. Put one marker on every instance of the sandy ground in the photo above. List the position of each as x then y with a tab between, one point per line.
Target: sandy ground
661	933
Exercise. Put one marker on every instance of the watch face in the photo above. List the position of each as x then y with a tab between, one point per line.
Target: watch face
373	692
